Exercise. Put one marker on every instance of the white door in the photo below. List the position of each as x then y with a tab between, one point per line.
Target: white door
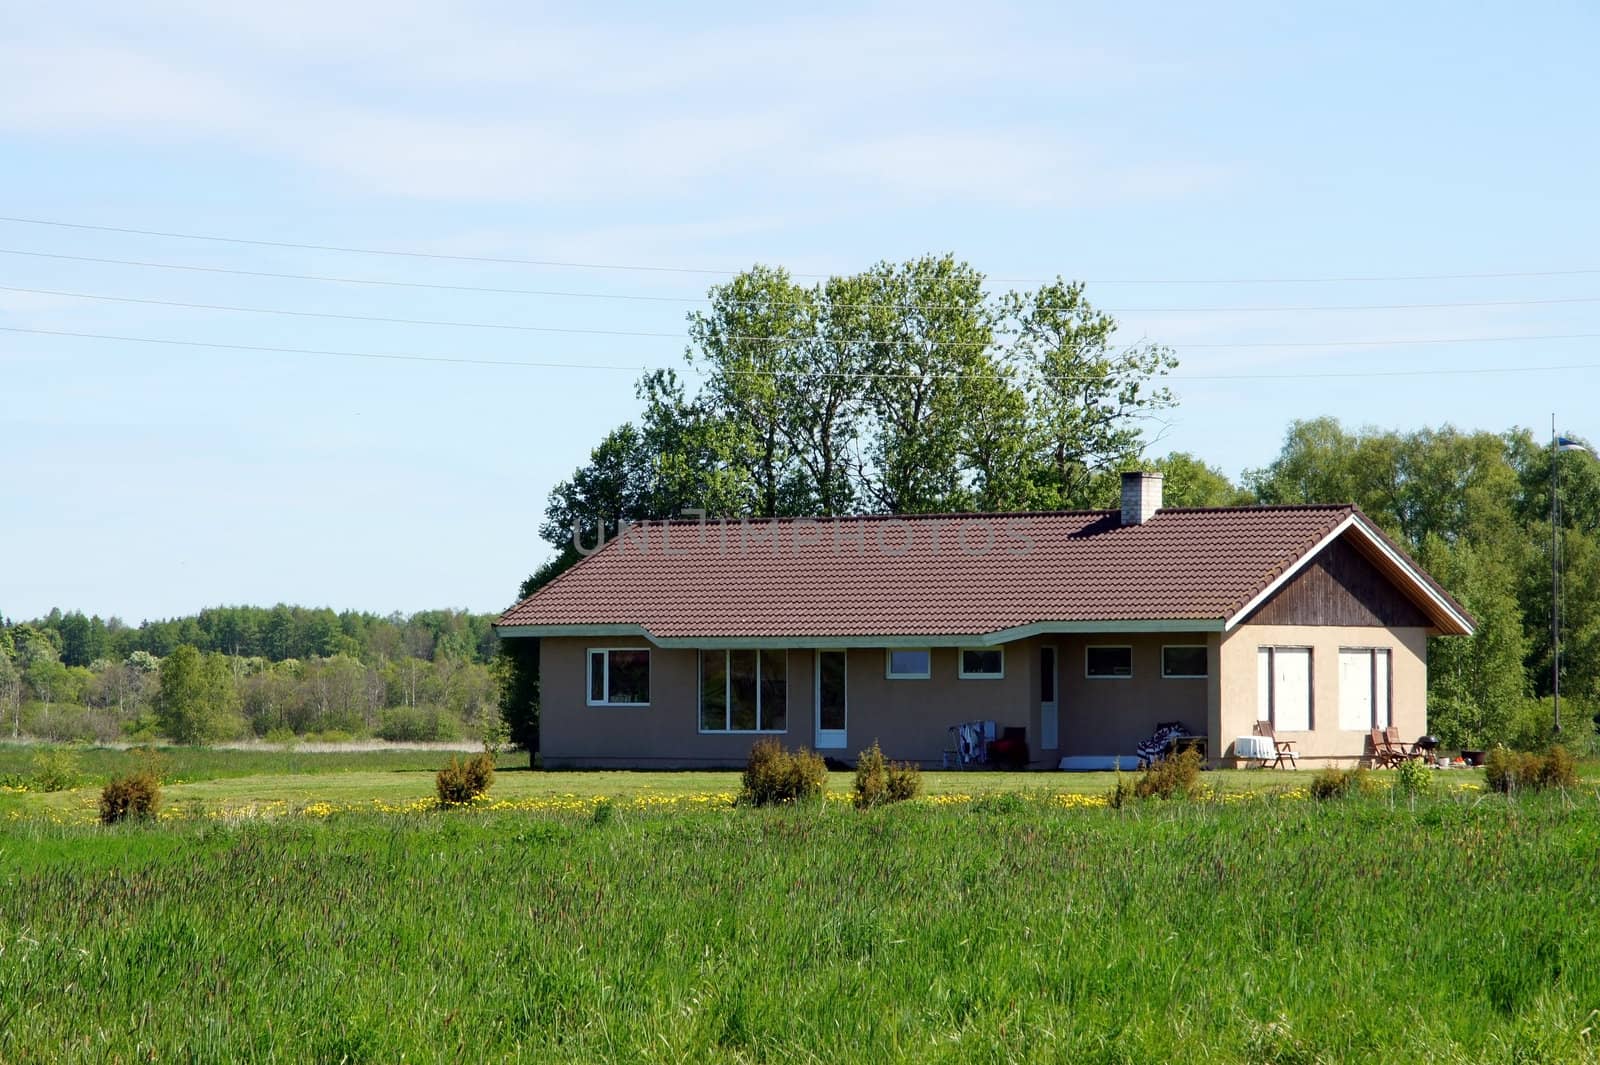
1049	719
832	695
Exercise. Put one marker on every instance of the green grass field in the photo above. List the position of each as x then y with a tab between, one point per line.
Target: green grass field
1459	927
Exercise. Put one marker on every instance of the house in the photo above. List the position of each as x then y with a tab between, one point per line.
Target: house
678	643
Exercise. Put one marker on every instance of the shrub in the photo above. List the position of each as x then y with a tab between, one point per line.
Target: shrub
872	778
460	782
415	724
905	781
283	736
1507	771
1560	769
1338	783
54	770
1411	778
1177	777
135	795
774	775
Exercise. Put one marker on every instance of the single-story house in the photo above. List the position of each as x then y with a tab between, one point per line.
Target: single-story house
679	643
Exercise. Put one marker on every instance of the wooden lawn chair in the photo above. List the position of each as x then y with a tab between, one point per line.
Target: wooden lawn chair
1282	749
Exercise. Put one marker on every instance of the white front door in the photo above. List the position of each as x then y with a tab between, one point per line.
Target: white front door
831	687
1049	719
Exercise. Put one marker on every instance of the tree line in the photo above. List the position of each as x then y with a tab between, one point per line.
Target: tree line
234	672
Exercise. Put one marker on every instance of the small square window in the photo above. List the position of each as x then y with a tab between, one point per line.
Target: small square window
909	665
982	663
1182	661
619	677
1108	662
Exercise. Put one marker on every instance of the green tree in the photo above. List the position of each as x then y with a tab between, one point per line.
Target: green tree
196	702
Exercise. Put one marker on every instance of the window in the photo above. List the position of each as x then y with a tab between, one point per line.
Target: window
1283	687
1115	663
908	665
1363	688
982	663
1183	660
744	691
619	676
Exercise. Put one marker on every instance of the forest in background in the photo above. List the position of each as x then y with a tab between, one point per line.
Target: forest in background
237	671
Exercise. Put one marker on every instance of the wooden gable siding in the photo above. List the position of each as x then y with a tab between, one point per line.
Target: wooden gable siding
1339	587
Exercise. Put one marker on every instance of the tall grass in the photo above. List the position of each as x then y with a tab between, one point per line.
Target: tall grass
1250	932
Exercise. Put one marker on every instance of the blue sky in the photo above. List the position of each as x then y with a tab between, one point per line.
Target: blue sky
1123	144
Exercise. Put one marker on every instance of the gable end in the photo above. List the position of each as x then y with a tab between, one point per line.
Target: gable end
1340	587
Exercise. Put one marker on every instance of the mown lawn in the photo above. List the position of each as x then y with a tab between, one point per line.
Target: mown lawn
1456	928
218	782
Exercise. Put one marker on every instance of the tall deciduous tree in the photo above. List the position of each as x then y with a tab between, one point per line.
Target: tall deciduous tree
197	700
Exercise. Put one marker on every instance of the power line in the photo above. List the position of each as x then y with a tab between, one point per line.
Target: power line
466	360
518	327
569	294
638	267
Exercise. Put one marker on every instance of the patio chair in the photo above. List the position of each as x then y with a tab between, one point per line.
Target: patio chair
1383	756
1282	749
1403	752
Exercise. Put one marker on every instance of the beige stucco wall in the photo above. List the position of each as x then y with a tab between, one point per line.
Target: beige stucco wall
909	718
1326	743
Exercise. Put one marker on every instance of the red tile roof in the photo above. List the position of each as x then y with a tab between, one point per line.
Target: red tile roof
953	574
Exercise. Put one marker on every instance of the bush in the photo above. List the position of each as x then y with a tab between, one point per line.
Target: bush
460	782
879	782
54	770
1411	777
1508	771
774	775
415	724
283	736
1338	783
135	795
872	778
1177	777
1560	769
905	781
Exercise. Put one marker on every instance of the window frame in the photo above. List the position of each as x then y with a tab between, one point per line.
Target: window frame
961	663
888	664
605	691
1272	650
727	693
1185	647
1128	647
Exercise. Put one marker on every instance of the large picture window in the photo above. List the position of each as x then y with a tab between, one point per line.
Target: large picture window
619	676
744	691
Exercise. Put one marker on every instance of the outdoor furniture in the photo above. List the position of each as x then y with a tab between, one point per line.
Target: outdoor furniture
1155	748
1403	751
1384	756
1281	749
1011	749
1255	749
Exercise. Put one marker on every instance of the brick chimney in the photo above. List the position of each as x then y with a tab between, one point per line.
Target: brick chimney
1141	496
